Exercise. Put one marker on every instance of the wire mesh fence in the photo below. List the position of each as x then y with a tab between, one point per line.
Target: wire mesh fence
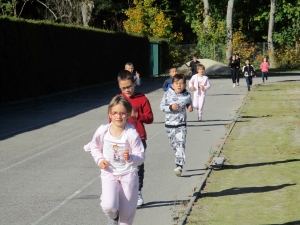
284	56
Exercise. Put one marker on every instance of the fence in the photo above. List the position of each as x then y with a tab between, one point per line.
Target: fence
284	56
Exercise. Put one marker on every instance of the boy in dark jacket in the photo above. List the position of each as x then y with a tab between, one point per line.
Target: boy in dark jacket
249	72
193	64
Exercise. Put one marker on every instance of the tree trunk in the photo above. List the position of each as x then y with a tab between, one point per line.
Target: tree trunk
206	13
270	33
14	4
229	29
86	10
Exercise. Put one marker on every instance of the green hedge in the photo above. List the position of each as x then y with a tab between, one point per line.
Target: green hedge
38	58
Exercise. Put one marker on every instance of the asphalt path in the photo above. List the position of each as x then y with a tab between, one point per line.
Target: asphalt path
47	178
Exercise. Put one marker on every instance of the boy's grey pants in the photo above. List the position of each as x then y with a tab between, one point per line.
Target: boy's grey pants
177	139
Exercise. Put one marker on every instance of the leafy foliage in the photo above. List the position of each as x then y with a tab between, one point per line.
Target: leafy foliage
7	8
148	20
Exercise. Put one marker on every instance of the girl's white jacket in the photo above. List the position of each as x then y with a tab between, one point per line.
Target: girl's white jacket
195	81
135	146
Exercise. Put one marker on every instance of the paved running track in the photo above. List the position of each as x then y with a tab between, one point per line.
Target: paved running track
47	178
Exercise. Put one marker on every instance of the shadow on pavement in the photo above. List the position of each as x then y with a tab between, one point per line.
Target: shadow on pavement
244	190
222	94
192	175
210	121
196	121
206	125
33	114
87	197
234	167
195	170
158	122
163	203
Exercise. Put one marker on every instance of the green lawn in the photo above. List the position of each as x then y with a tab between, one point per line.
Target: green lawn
260	181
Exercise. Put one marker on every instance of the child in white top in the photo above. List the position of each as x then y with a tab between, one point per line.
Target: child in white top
199	83
118	150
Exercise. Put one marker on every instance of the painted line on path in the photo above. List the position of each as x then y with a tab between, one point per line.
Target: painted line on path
65	201
49	149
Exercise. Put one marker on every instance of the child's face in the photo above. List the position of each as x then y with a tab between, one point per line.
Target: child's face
200	71
119	115
265	59
194	59
247	62
236	57
127	87
129	68
178	86
173	72
233	57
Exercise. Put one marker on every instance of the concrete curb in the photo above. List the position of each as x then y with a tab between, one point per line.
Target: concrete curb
196	194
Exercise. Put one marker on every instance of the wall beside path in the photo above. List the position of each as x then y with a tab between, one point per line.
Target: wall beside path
38	58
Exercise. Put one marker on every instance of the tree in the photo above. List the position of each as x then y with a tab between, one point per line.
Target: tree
65	11
206	13
86	10
109	14
229	29
9	8
270	32
68	11
148	20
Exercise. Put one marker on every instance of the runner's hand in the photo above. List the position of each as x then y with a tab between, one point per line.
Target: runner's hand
175	106
126	155
103	164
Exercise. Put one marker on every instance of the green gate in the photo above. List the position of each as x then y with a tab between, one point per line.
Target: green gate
154	59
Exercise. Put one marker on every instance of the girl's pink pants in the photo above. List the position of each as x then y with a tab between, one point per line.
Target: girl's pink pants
120	195
198	103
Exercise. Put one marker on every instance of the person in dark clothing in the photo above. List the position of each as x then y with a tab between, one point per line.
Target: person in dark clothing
249	72
237	58
233	67
168	82
193	64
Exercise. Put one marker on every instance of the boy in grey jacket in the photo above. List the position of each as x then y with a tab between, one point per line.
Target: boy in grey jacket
174	103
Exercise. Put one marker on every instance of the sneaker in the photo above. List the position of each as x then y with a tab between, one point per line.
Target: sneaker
266	78
199	118
178	171
140	199
237	84
233	85
113	221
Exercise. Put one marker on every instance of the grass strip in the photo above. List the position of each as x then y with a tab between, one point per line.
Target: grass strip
260	181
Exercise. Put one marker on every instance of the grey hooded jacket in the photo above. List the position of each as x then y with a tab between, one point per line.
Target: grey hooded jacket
175	118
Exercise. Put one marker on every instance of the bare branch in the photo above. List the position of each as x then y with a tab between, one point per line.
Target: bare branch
47	8
22	8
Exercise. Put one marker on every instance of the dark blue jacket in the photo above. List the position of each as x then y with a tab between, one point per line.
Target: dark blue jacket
167	82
